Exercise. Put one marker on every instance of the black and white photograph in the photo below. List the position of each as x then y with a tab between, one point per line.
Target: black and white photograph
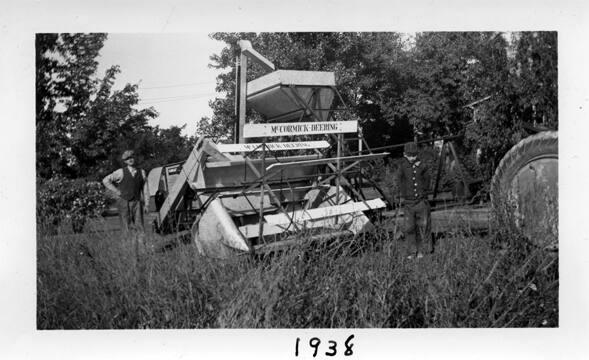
297	191
390	180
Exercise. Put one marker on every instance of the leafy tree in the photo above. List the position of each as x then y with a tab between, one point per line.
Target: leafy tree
524	94
111	123
536	77
83	125
217	131
376	84
159	146
64	64
451	70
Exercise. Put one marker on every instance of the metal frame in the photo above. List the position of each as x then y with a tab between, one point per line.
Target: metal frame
308	108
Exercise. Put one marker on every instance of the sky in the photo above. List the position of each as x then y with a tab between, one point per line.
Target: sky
172	72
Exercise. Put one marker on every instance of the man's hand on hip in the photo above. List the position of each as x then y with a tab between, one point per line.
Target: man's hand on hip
113	193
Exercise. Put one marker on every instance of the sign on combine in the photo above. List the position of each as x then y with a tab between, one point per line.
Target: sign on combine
303	128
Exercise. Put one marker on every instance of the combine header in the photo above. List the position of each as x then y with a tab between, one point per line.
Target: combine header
251	197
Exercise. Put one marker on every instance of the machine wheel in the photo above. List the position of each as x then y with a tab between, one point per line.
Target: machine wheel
524	189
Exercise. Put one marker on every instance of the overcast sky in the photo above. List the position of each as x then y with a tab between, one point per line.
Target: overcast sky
172	72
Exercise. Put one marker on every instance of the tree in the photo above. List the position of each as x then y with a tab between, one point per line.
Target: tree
536	77
451	70
83	125
524	94
217	131
110	125
64	64
162	146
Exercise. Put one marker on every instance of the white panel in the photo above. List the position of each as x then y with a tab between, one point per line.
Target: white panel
318	213
252	231
291	77
225	148
301	128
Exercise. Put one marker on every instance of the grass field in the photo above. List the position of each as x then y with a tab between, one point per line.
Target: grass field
103	280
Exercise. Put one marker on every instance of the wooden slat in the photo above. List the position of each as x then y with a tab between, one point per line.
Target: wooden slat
319	213
285	190
247	204
252	231
287	159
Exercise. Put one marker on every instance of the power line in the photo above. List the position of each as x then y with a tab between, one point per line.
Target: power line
164	101
177	97
176	85
174	99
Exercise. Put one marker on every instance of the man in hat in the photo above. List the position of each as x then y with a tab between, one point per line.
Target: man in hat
413	179
129	185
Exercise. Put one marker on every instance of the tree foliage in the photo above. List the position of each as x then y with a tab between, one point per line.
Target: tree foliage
401	88
83	124
451	70
60	199
64	64
536	78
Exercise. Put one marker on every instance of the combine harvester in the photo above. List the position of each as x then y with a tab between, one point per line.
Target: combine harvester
259	196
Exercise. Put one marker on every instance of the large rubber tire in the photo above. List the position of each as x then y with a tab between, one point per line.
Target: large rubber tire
524	189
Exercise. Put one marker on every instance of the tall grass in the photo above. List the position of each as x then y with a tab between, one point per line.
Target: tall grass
104	280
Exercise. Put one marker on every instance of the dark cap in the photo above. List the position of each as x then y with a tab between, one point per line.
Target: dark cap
127	154
410	149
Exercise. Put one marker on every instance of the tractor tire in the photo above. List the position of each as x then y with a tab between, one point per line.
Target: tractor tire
524	190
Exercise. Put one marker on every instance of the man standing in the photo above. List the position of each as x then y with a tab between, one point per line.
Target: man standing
129	185
413	178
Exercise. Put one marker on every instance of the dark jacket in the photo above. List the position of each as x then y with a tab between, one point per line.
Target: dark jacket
413	180
131	186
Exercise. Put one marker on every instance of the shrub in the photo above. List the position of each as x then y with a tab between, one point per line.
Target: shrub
60	199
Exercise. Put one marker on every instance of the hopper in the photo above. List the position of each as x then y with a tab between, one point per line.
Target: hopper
291	95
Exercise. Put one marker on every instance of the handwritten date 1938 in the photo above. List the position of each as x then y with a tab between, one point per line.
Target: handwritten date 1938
332	349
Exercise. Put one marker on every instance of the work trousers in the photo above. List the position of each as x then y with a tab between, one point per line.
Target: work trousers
418	234
131	214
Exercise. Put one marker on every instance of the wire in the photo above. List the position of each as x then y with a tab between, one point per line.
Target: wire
146	103
177	97
176	85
